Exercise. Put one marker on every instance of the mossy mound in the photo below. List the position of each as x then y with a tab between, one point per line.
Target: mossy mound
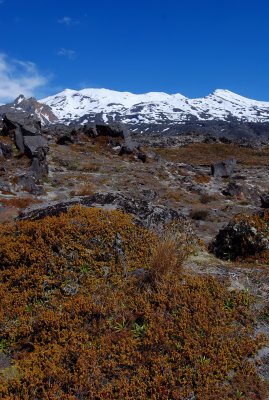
76	325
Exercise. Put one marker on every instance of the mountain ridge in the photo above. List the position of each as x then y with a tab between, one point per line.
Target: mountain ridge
155	112
157	108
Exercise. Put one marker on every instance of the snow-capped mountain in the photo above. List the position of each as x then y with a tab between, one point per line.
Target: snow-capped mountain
103	105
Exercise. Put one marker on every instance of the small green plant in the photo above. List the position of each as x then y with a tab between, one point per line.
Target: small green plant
3	345
204	360
139	329
228	305
29	308
85	268
120	326
238	394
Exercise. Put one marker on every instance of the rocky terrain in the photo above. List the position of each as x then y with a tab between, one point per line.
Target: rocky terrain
200	179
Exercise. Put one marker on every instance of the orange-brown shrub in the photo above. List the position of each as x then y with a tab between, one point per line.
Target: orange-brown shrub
19	202
202	178
75	327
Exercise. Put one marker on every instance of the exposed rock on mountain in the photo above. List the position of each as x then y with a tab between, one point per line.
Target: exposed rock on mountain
30	106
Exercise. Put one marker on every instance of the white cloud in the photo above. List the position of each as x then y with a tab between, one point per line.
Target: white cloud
70	54
18	77
68	21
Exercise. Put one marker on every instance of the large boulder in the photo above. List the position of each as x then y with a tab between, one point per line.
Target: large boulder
130	147
26	132
36	146
113	131
223	169
28	124
245	235
18	125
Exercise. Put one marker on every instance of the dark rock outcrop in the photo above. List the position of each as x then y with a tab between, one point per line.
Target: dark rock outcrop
30	106
145	214
28	124
264	200
26	132
114	131
5	150
242	237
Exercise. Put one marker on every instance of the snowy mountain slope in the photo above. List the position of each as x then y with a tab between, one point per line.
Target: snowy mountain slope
154	108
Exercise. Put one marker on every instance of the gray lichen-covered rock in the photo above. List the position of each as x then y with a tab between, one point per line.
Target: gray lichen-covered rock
145	213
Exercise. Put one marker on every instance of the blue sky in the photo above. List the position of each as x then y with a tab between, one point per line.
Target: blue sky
192	47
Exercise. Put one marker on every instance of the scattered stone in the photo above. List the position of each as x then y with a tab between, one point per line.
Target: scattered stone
234	190
5	187
223	169
29	183
264	200
64	140
38	168
129	147
6	150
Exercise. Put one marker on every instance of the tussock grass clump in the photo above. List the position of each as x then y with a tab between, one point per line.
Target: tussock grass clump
74	325
199	214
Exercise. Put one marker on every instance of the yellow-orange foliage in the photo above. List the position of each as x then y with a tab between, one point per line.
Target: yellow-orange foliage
77	325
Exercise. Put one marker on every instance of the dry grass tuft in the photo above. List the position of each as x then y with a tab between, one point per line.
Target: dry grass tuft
202	179
84	190
206	154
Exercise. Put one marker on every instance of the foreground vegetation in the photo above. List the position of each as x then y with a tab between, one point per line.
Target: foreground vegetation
95	307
